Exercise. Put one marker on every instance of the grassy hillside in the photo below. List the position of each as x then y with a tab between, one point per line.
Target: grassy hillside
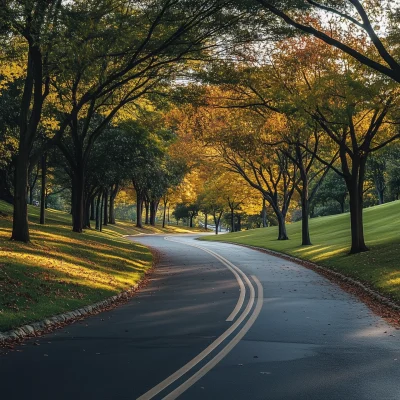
61	270
330	236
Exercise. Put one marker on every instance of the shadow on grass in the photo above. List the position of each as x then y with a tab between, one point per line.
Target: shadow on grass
60	270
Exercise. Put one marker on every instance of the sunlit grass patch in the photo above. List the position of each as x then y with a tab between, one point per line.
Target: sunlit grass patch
330	236
61	270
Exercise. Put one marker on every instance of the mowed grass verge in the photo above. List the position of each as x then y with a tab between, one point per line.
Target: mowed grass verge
61	270
379	268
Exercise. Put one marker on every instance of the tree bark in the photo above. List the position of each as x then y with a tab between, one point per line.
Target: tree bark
232	220
239	223
282	234
111	217
29	118
31	187
264	213
153	212
205	221
381	196
20	230
342	206
305	208
101	211
78	193
98	215
87	214
356	219
217	220
355	186
147	208
191	221
92	208
305	211
139	210
113	195
165	200
43	189
105	223
32	182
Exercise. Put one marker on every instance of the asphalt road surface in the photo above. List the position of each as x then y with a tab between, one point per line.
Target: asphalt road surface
217	321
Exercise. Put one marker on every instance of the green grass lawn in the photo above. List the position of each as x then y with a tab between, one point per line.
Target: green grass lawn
379	268
61	270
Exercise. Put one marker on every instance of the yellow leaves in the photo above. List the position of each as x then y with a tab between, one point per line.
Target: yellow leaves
124	197
49	125
9	72
131	112
191	186
8	147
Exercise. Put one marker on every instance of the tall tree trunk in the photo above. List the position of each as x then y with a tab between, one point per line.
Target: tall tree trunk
305	211
381	196
92	208
264	214
232	220
168	220
139	210
98	215
147	208
239	226
43	189
356	220
217	220
111	216
355	186
282	234
20	230
32	179
305	208
205	220
31	187
29	118
87	213
105	207
78	193
191	221
113	195
165	200
153	212
101	211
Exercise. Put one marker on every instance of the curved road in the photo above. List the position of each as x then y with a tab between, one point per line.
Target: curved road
217	321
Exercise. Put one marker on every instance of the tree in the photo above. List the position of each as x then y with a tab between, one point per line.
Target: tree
356	112
37	23
377	172
332	188
181	211
354	16
239	139
359	126
97	57
213	199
